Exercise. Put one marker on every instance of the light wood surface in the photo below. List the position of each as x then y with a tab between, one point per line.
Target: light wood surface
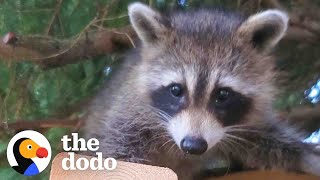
132	171
123	171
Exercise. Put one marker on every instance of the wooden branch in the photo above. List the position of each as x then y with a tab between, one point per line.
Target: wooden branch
306	117
49	52
40	124
303	27
54	17
302	35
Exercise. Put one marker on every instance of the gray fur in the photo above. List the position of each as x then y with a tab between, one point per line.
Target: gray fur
129	128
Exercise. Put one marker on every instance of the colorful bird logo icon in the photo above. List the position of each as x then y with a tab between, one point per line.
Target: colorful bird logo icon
24	149
29	153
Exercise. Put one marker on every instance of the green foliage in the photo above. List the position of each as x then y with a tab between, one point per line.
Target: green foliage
29	93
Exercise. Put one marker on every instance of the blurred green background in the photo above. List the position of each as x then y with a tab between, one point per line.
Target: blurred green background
30	93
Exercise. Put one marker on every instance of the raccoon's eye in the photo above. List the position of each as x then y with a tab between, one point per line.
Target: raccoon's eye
176	90
222	95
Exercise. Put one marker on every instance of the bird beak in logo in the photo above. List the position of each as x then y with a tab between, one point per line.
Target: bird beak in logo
42	152
29	149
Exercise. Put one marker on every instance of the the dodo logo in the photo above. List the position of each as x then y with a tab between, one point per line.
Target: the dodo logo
29	152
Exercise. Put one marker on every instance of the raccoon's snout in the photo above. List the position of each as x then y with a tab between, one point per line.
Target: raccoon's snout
194	145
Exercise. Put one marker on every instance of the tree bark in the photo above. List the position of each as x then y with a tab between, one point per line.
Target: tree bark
49	52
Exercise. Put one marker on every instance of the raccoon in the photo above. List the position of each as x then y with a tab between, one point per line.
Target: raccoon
199	88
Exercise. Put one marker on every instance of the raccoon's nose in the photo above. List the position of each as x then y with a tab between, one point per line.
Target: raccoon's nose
194	145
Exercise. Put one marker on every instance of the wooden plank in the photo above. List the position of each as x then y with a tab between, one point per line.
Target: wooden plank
123	171
131	171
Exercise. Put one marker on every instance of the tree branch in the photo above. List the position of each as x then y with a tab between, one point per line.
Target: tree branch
49	52
39	124
304	25
54	17
306	117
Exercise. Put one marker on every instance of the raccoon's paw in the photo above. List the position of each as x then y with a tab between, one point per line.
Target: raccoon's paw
311	163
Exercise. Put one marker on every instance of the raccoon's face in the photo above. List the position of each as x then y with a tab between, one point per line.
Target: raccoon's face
208	72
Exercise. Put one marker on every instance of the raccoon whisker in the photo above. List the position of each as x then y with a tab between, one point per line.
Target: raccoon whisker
158	137
174	152
242	130
165	116
241	126
165	113
242	140
178	152
162	134
160	113
172	146
232	143
248	126
223	148
156	126
170	140
237	148
245	129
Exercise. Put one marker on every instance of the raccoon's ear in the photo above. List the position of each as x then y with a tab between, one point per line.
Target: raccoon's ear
148	23
264	30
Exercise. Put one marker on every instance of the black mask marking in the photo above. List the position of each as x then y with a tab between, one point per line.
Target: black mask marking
228	106
164	100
